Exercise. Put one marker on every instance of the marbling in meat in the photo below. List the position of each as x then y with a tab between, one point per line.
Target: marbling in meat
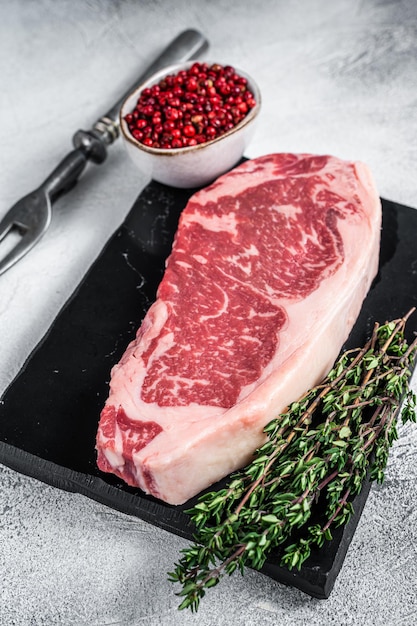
268	272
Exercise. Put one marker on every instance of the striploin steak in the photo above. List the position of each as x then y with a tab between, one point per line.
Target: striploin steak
267	274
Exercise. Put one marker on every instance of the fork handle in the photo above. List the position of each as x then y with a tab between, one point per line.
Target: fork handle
65	175
91	145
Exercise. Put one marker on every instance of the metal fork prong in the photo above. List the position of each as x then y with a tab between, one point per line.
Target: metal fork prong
30	216
23	246
7	223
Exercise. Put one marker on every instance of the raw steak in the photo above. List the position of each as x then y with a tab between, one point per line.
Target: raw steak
268	272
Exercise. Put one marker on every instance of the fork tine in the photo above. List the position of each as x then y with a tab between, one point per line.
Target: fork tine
23	246
30	216
7	223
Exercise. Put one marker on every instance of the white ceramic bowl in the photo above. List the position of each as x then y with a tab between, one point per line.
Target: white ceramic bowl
192	166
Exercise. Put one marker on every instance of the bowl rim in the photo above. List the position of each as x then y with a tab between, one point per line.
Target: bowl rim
174	68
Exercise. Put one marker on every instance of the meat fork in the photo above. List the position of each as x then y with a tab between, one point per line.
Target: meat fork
31	215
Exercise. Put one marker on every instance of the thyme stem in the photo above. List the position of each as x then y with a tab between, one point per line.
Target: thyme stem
316	457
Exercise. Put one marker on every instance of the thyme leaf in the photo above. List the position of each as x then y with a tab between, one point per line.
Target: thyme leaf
316	454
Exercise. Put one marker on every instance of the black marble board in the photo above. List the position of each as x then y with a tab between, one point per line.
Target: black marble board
49	414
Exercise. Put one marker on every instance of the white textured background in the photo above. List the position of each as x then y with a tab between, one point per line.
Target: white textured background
337	77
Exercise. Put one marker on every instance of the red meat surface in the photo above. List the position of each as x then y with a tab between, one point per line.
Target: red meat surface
268	272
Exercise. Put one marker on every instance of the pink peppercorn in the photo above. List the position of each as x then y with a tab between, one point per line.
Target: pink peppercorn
191	107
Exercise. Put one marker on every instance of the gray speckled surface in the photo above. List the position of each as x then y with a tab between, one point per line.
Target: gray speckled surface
337	77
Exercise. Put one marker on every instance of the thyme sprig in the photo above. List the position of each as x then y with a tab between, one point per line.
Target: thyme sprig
320	450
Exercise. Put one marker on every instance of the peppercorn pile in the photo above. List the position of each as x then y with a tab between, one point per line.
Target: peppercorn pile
191	107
